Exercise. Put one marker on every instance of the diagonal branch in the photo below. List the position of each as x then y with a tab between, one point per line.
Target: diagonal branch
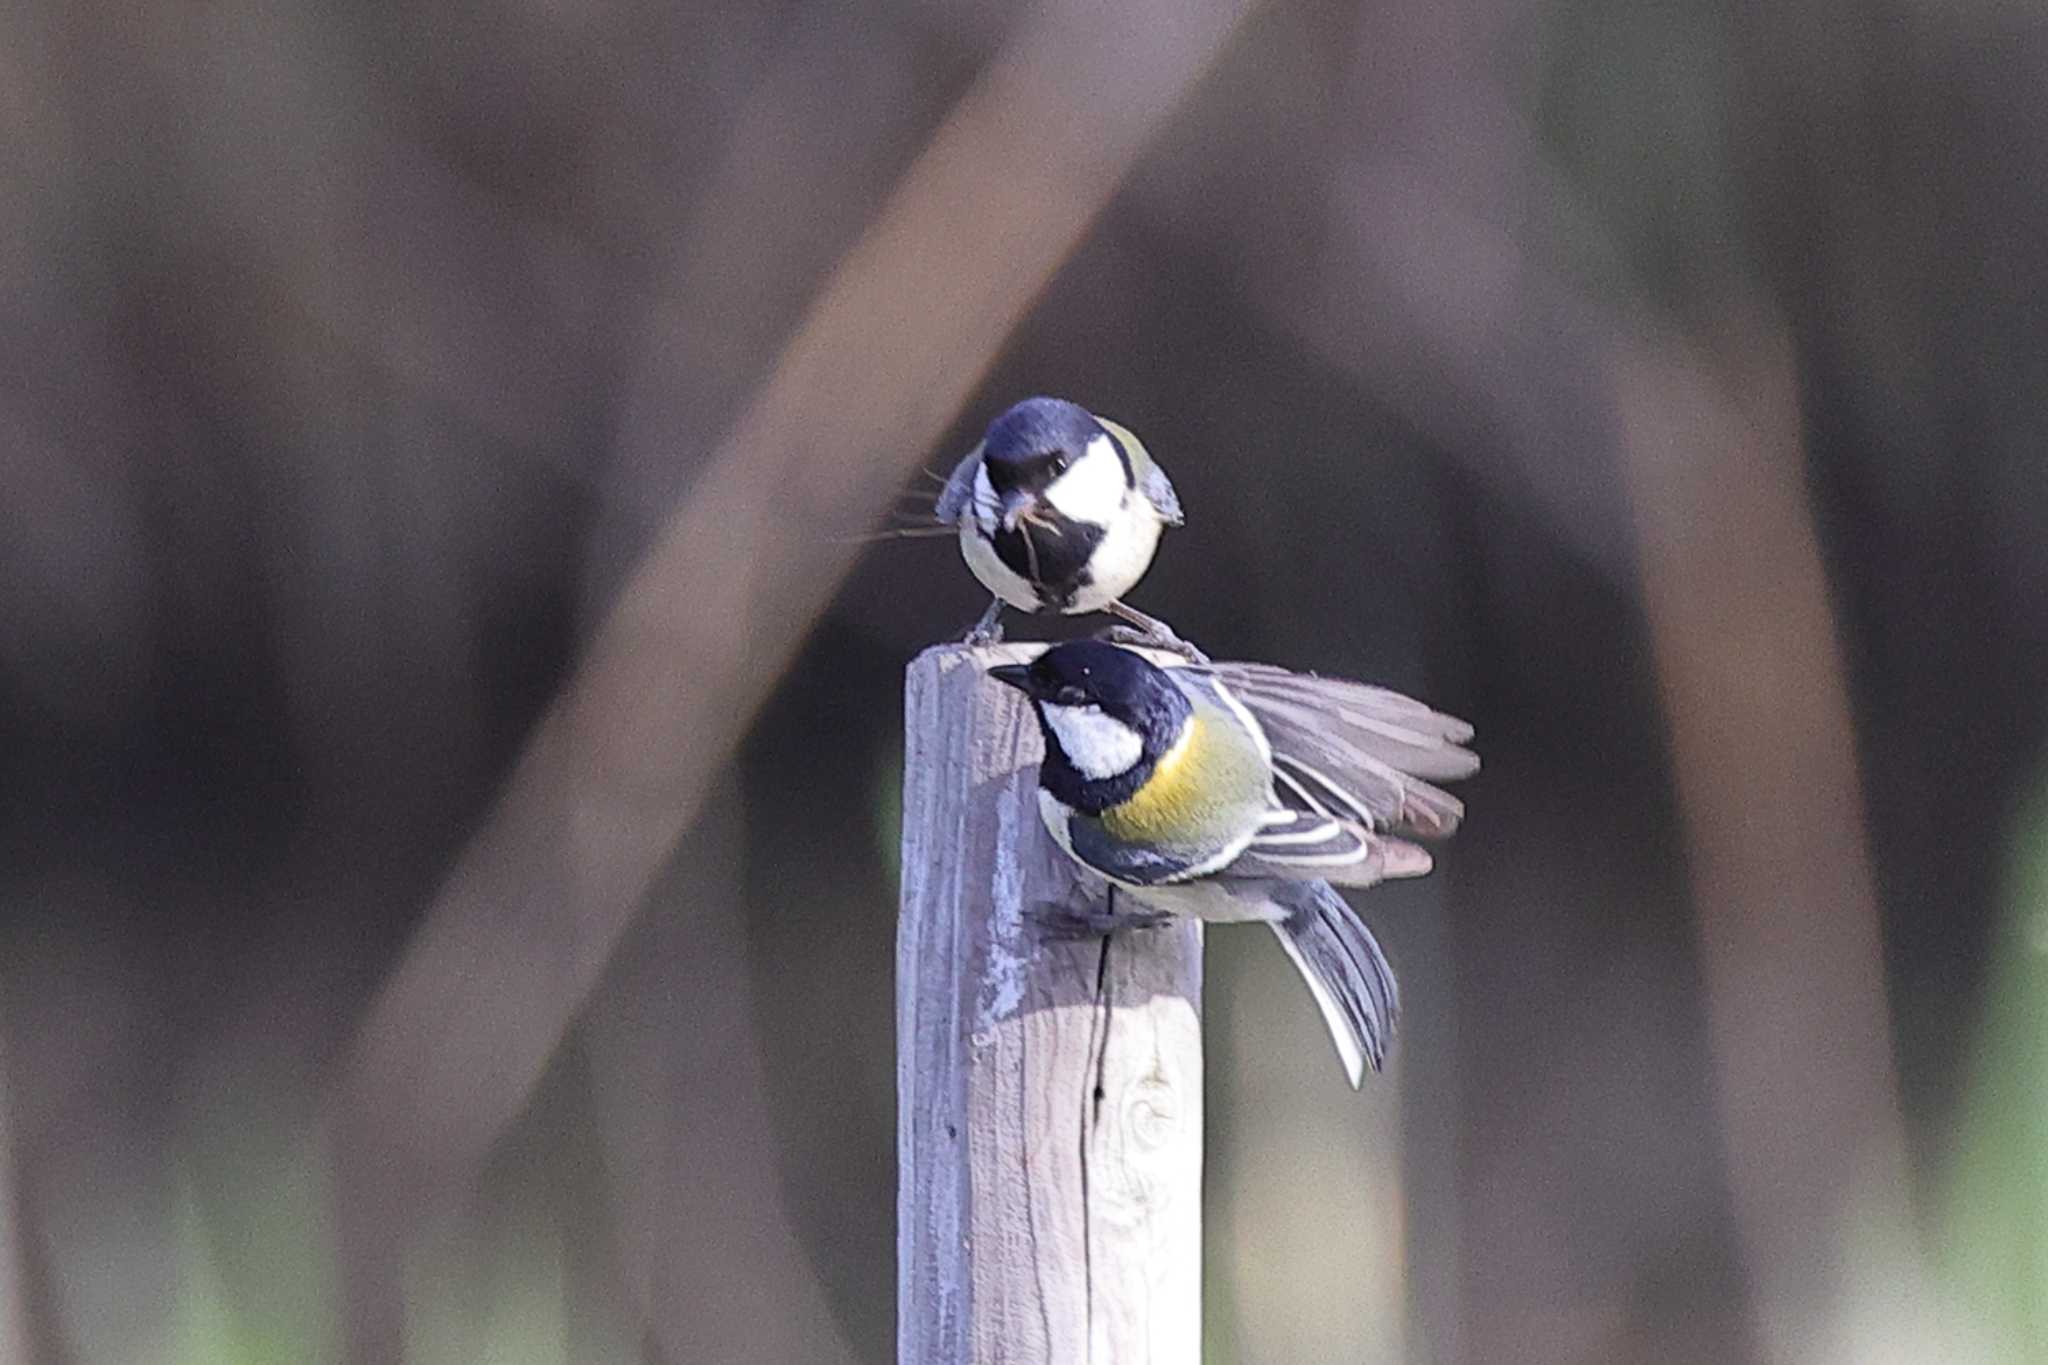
1763	752
618	766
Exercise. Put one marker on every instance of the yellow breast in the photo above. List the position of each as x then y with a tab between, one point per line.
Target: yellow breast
1169	802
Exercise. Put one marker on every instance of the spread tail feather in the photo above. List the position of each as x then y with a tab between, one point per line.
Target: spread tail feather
1345	970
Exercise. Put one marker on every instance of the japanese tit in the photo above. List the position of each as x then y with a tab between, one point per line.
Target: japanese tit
1059	511
1233	791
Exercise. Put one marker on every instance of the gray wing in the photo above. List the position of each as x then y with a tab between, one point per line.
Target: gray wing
1353	753
1151	479
957	497
1158	489
1301	845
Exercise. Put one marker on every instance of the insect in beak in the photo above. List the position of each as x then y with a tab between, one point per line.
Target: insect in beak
1017	507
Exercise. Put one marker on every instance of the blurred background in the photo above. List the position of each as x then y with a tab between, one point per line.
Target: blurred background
453	720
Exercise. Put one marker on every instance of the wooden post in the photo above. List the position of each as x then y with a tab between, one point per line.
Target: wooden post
1049	1123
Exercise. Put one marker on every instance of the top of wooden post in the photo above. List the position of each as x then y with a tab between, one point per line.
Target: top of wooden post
1049	1092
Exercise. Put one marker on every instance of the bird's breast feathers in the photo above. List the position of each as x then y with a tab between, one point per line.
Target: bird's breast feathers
1169	803
1189	819
1119	556
995	575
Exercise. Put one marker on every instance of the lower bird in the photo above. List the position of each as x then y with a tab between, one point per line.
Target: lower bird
1232	791
1060	511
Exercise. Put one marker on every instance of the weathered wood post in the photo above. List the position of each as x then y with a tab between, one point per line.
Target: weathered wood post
1049	1123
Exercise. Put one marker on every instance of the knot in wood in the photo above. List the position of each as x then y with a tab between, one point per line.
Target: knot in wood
1153	1112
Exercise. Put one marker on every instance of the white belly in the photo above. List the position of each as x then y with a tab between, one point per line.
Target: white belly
998	577
1114	569
1218	901
1122	557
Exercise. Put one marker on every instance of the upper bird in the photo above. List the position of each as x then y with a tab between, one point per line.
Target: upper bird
1236	791
1059	511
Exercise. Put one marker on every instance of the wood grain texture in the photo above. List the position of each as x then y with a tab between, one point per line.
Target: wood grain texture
1049	1129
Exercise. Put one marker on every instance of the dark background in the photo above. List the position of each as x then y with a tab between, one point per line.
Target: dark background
1662	387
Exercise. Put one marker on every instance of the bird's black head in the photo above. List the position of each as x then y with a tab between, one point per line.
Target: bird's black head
1036	441
1107	716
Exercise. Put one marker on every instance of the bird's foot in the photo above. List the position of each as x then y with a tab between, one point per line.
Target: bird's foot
1158	637
1065	921
1148	632
988	630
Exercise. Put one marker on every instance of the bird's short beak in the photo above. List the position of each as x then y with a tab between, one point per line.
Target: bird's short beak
1013	675
1016	506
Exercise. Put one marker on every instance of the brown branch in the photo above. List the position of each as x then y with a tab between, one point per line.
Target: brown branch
1713	518
707	1256
618	766
1764	756
1763	753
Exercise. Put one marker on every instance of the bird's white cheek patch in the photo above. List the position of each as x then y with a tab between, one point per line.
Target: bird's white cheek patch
1098	745
1093	487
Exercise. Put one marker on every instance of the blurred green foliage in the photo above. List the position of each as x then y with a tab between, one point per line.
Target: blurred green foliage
1993	1254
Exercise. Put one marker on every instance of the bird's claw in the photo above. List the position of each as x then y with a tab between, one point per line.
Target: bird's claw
1138	637
1065	921
988	630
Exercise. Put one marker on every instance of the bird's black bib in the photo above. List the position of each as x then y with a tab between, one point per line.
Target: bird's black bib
1055	561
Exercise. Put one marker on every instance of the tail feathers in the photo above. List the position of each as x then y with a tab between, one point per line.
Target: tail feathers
1346	971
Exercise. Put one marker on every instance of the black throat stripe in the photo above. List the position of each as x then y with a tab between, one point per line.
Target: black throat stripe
1055	561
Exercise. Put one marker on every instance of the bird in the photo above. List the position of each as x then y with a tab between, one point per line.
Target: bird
1060	511
1245	792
